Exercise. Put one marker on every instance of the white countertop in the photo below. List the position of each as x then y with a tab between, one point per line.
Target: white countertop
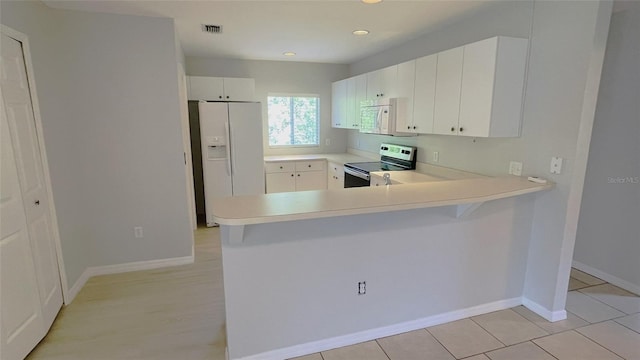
291	206
340	158
407	177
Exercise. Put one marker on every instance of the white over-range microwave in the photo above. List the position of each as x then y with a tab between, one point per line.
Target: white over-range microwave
379	116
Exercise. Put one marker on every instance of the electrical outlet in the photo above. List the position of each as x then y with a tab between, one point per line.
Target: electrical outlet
556	165
362	287
436	156
515	168
138	232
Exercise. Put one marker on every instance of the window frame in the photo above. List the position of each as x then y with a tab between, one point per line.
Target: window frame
319	122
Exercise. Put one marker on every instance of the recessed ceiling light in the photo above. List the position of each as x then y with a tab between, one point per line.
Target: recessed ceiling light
360	32
371	1
289	53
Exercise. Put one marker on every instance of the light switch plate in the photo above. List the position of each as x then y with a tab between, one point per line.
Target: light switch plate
556	165
436	156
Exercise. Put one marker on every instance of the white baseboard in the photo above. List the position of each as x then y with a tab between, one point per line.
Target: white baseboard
77	286
543	311
607	277
367	335
120	268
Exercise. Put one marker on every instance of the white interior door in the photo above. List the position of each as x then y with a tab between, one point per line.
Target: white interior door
20	140
21	325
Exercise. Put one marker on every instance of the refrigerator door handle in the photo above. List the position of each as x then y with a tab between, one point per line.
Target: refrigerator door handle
228	135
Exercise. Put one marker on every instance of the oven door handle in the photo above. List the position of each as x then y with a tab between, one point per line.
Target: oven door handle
356	173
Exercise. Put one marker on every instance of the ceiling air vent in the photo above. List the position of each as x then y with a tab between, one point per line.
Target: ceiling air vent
212	29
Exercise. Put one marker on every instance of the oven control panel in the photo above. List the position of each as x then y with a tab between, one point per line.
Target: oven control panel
401	152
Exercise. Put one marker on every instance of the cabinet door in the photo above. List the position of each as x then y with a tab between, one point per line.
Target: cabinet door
382	83
339	104
424	94
404	89
448	84
335	179
476	95
239	89
351	103
360	83
280	182
493	87
206	88
311	180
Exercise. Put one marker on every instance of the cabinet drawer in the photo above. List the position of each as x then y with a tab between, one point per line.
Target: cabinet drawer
312	165
336	169
281	166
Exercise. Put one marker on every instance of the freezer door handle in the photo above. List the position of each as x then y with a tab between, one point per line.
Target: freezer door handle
226	130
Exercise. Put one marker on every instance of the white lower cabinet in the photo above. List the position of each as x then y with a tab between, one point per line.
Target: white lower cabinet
335	179
284	176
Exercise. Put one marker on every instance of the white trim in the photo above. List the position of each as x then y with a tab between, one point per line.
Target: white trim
543	311
366	335
607	277
66	295
79	284
126	267
139	265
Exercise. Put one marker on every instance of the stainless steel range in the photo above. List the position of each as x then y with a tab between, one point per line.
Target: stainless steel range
393	158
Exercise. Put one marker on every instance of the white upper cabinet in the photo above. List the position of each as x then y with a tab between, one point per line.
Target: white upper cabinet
221	89
346	96
479	88
472	90
404	88
448	84
356	93
382	83
339	104
205	88
239	89
492	87
424	96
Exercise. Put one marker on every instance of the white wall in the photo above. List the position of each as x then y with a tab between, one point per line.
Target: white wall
567	38
609	231
108	92
284	77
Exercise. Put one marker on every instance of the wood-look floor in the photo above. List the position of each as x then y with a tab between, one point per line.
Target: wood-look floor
170	313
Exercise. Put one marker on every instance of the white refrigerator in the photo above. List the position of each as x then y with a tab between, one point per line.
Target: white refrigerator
232	154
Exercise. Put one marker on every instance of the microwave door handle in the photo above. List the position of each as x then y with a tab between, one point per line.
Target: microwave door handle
379	119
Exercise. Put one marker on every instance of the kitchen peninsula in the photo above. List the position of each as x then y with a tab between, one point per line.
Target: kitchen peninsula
314	270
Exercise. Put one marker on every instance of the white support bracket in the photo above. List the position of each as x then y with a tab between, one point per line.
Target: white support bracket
464	210
236	234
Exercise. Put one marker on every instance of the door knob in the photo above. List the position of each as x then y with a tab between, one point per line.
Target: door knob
37	202
453	129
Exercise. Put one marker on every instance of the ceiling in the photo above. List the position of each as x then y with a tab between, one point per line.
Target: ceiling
317	31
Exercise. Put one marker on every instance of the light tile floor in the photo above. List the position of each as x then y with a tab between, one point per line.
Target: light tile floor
603	322
178	313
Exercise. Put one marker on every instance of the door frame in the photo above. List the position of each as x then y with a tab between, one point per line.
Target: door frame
24	40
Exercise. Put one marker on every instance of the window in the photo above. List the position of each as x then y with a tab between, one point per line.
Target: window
293	120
